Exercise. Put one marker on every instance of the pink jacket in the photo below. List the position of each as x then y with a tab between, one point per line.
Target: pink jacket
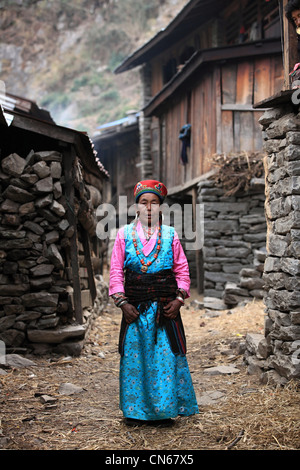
180	265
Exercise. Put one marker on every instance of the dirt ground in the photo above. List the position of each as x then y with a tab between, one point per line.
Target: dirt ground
242	414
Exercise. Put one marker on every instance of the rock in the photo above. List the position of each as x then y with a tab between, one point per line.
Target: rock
221	370
271	377
52	237
71	348
255	365
55	257
9	206
252	283
44	201
27	208
57	335
47	399
41	169
14	290
58	209
56	170
34	227
42	270
69	389
17	362
13	164
214	303
44	185
40	299
17	194
12	337
210	397
7	322
285	365
197	304
29	178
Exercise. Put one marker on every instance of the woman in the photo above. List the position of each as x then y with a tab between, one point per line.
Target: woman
149	281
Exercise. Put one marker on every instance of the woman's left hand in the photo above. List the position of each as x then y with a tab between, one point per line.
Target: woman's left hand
171	310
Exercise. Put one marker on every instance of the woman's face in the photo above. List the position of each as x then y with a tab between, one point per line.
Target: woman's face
148	206
296	17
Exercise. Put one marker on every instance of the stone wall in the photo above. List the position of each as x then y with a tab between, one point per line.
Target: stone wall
234	242
276	353
36	311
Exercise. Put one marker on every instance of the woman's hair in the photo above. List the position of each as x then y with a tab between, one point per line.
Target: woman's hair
291	6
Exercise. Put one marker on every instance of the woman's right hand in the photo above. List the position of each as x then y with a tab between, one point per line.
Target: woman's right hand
130	313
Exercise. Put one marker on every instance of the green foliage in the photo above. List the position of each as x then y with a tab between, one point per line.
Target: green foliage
80	71
56	99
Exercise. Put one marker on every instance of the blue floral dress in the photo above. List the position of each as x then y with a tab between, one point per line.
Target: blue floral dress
155	383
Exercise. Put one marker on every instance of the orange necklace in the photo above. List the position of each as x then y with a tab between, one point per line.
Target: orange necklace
146	264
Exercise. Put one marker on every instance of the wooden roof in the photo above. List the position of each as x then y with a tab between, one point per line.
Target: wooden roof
195	13
80	140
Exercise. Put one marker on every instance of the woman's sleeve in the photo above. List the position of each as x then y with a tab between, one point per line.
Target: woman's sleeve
180	266
116	279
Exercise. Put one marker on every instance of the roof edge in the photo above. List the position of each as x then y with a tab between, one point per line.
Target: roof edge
135	58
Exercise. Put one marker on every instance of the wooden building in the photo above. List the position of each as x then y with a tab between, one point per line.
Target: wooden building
205	71
118	145
206	68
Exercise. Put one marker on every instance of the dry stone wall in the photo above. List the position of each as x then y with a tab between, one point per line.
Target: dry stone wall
234	242
276	354
34	235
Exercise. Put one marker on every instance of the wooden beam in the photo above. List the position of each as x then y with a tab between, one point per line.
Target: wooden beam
68	161
175	190
290	51
87	254
239	107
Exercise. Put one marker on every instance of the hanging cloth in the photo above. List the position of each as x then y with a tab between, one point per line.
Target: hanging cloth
185	137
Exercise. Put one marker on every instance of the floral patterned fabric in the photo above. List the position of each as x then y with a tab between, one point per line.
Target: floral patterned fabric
154	383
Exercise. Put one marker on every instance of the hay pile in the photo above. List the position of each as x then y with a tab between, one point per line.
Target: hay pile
234	172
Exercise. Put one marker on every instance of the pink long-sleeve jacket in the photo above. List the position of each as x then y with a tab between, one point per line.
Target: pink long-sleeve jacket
180	264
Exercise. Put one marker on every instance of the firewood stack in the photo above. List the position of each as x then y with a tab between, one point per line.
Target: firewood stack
34	250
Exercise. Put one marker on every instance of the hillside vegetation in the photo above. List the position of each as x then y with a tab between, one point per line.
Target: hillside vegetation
62	54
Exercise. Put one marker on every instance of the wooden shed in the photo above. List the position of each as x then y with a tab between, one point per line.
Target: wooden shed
118	145
51	185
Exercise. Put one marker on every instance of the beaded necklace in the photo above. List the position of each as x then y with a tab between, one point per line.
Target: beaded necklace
146	264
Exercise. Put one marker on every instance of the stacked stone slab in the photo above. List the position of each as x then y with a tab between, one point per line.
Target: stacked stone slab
281	130
234	242
34	231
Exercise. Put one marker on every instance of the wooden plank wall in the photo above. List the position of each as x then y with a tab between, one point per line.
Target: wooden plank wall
201	113
242	85
221	115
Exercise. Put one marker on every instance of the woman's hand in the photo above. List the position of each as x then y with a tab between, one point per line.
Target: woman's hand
130	313
172	309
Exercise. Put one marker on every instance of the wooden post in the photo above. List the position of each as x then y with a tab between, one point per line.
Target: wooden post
69	158
87	254
290	50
